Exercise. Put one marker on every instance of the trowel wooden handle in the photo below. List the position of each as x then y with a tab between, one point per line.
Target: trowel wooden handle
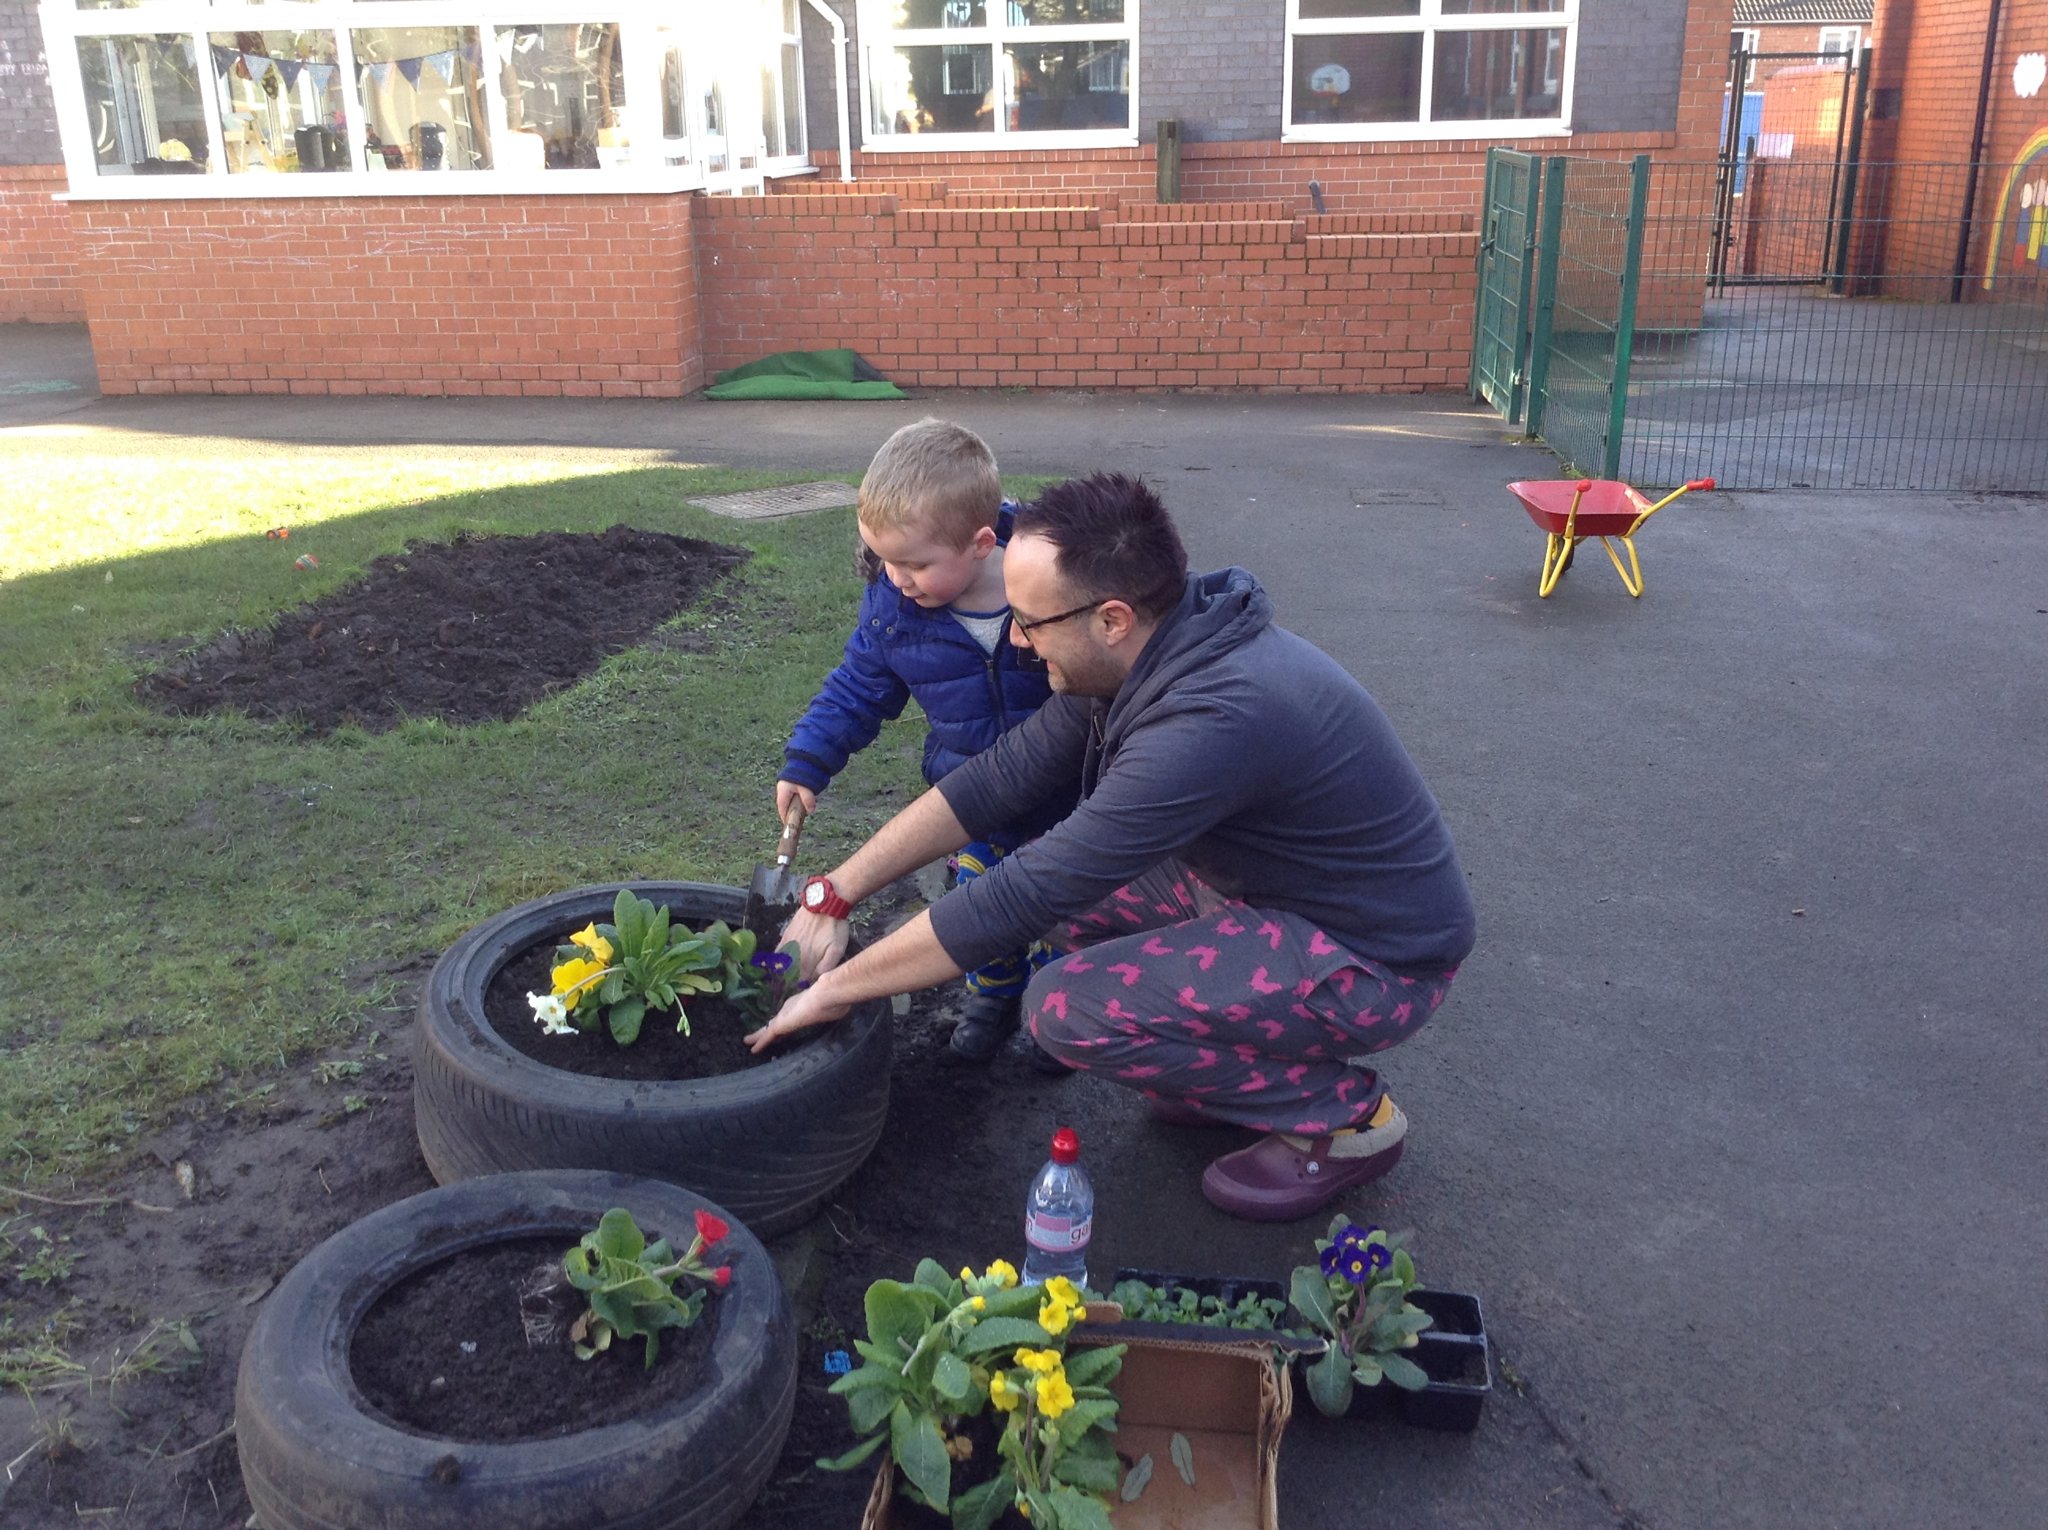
792	831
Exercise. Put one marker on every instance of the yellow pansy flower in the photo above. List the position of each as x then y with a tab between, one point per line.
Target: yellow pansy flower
1063	1291
1054	1395
573	979
599	948
967	1272
1002	1270
1041	1362
981	1304
1053	1317
1002	1394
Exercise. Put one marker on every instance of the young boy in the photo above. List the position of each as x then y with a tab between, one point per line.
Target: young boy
934	625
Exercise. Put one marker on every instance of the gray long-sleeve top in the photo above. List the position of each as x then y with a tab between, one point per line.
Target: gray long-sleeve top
1245	751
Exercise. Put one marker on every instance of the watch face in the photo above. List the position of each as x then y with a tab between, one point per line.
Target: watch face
814	895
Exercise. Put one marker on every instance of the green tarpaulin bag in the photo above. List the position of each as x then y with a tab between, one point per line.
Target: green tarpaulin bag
805	374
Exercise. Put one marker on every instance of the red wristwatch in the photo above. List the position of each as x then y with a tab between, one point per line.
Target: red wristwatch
821	897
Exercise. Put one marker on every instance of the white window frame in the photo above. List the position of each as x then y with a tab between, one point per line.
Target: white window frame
64	26
1752	44
1431	22
1837	35
880	37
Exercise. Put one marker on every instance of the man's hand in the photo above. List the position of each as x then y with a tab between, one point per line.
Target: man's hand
821	942
803	1010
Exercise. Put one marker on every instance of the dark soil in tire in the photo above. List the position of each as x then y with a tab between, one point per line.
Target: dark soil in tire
473	630
714	1047
477	1348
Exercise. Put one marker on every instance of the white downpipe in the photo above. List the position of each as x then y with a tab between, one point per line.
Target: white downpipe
839	84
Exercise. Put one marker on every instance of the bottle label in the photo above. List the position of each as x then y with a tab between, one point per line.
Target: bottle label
1056	1235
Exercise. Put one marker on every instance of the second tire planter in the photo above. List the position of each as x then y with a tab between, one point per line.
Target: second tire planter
770	1142
317	1455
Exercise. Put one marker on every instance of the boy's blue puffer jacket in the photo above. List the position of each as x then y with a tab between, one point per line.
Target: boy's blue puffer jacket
899	650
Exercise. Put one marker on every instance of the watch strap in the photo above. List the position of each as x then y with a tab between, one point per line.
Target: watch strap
832	906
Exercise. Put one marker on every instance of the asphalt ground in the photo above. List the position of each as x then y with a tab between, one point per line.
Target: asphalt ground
1733	1119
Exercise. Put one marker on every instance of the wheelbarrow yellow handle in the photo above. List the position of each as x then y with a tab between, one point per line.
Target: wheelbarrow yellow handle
1697	483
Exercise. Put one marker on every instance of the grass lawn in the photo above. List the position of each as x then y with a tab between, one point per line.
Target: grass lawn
190	905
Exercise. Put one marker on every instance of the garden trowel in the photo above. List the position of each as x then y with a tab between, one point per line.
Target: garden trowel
771	900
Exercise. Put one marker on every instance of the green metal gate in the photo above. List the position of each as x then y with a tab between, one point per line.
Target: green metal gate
1500	330
1587	279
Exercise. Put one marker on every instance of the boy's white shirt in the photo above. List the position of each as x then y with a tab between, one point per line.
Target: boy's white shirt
983	605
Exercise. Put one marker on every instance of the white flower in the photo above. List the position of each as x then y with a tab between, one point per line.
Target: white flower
552	1013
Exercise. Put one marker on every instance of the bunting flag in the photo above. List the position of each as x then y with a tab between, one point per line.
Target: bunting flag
291	69
379	73
257	65
410	68
323	76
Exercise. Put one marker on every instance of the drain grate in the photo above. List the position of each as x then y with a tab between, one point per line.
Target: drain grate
773	504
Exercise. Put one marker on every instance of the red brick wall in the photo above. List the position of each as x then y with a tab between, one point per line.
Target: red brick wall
1241	295
565	295
1932	53
38	260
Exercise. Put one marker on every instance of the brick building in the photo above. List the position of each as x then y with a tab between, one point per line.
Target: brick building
1837	28
434	199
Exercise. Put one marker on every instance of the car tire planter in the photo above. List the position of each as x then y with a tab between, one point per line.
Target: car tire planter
315	1458
770	1142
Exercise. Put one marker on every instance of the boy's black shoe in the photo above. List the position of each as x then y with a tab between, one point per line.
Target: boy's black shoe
987	1021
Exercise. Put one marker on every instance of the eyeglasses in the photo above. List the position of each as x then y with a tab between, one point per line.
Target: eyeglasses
1027	628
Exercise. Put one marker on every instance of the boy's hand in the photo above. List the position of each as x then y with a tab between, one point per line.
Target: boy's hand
787	792
802	1011
821	942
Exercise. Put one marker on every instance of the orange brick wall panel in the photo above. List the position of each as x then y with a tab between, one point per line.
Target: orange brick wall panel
39	276
424	296
1190	304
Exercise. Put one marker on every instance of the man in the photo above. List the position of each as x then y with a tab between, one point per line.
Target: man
1256	888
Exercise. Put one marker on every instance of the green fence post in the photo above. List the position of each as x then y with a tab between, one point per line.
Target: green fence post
1547	238
1851	171
1531	204
1625	320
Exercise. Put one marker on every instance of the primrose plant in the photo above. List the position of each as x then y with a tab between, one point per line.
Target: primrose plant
1356	1295
644	961
630	1283
941	1353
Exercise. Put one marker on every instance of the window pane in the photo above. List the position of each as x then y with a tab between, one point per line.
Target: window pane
793	101
565	95
941	13
1070	85
1499	7
675	101
143	102
1359	79
280	101
948	89
1325	10
771	117
422	88
1062	13
1487	75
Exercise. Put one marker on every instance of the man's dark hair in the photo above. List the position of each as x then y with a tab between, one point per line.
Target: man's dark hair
1114	538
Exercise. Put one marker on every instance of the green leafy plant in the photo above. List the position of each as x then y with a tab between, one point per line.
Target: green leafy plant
631	1283
941	1353
755	981
1145	1303
640	961
1356	1294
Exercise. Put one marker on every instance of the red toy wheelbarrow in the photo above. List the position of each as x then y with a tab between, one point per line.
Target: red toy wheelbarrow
1571	512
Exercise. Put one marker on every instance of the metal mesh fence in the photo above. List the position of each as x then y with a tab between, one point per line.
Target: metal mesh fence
1832	345
1579	369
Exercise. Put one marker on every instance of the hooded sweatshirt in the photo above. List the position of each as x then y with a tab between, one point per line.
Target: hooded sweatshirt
1246	752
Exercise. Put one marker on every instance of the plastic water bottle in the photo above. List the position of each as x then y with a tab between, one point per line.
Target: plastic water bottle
1059	1215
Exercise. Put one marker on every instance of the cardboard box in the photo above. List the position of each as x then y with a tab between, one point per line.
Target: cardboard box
1223	1392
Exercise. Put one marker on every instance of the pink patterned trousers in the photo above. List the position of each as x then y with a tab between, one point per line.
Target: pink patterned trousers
1255	1016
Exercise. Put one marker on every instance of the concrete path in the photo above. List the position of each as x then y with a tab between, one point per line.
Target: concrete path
1735	1118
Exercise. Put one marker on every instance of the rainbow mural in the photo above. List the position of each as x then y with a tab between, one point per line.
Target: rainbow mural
2023	206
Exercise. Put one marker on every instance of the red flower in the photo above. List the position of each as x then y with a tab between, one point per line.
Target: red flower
709	1228
722	1276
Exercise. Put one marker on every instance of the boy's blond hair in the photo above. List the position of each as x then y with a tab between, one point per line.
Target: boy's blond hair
932	477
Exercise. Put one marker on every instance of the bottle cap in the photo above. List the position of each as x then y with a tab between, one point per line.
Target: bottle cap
1066	1147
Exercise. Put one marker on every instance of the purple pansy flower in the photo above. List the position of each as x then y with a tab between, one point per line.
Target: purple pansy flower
775	962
